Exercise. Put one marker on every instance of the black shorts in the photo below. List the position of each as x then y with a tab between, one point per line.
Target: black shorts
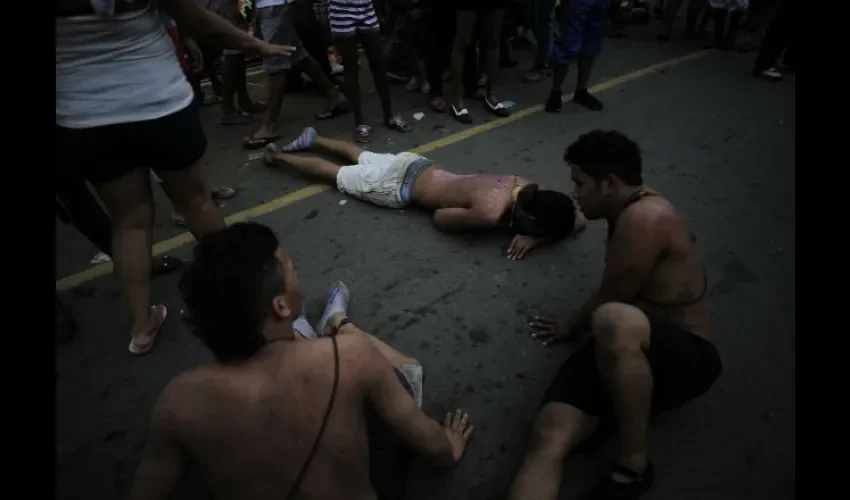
684	366
101	154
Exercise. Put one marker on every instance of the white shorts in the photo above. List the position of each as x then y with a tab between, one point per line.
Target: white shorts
377	178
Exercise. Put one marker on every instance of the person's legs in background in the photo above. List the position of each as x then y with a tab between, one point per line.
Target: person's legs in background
582	24
439	40
542	28
779	36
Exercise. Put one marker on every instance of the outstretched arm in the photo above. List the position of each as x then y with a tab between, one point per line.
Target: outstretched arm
196	21
445	444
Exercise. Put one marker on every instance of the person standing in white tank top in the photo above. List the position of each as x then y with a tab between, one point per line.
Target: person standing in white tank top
123	106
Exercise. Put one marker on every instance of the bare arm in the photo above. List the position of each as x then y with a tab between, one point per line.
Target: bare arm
196	21
165	460
398	409
633	251
459	219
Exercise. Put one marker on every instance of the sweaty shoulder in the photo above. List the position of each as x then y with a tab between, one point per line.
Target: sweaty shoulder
652	213
184	394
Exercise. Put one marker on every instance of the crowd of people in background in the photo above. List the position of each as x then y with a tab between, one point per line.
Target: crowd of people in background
117	135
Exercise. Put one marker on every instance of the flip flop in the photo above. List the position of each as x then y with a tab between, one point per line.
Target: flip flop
223	193
140	351
254	143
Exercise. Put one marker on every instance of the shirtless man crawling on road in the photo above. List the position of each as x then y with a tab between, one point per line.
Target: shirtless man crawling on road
650	347
460	202
277	417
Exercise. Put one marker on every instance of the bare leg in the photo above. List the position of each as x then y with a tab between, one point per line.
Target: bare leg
189	191
463	37
585	66
492	35
326	87
622	334
347	47
372	47
276	87
344	149
310	165
130	204
558	429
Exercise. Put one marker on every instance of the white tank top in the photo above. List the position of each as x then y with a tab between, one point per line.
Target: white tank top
117	69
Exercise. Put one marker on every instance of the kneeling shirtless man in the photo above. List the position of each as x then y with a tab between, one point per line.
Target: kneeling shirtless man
460	202
275	417
650	348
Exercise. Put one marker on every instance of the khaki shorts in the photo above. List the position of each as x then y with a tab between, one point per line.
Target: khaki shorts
377	178
276	25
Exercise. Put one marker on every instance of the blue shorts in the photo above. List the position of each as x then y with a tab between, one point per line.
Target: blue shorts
583	24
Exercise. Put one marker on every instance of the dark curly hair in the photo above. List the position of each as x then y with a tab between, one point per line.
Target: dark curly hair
607	152
554	213
229	287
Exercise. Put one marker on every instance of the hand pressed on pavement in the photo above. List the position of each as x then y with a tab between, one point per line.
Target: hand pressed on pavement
457	427
549	331
521	245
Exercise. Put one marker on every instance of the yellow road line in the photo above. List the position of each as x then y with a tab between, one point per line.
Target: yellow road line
170	244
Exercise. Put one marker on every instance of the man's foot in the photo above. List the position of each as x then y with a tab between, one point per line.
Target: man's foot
266	135
338	106
623	483
142	343
301	325
554	102
584	98
304	141
337	303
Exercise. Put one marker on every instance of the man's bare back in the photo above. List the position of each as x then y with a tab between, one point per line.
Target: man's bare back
438	188
676	287
250	426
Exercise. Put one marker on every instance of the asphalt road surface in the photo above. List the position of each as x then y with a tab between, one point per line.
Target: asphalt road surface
716	141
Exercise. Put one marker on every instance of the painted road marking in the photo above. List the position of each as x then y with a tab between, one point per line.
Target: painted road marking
170	244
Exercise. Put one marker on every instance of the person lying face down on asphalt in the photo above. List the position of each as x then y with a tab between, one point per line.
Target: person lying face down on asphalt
460	202
276	417
649	348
